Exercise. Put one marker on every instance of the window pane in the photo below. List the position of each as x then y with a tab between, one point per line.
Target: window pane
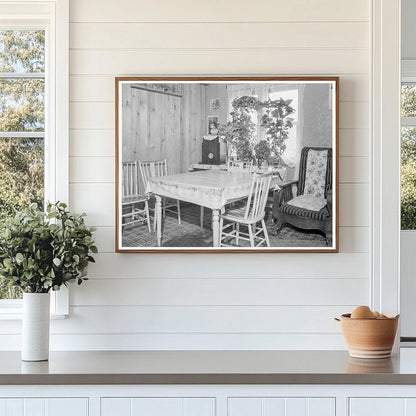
22	109
21	183
21	173
408	178
22	105
289	155
409	99
22	51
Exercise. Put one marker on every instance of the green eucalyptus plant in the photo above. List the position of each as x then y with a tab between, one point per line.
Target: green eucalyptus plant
43	251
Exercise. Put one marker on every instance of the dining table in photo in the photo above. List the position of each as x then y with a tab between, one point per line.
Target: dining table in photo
212	189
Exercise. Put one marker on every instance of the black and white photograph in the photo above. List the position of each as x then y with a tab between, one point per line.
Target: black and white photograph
257	173
215	104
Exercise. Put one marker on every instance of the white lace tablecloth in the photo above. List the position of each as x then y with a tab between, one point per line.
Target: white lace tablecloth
208	188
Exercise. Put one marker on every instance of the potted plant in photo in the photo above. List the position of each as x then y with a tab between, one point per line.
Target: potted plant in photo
277	123
40	252
262	152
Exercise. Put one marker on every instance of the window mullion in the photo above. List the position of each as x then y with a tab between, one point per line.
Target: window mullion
22	75
408	121
24	134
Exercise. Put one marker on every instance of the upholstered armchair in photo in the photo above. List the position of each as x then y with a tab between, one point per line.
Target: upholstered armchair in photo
307	202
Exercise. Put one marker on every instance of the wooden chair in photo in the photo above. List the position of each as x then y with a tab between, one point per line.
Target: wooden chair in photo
310	207
232	166
249	215
151	169
135	207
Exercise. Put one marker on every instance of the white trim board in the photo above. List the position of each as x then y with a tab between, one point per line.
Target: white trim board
385	113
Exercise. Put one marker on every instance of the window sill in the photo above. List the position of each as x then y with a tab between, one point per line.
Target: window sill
12	315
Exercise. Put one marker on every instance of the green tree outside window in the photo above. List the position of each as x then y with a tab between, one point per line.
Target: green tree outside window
408	159
22	109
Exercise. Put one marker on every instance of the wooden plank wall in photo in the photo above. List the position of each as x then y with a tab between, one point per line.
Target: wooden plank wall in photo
157	126
213	301
193	125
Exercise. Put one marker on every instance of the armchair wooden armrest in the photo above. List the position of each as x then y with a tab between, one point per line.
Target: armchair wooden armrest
285	193
281	196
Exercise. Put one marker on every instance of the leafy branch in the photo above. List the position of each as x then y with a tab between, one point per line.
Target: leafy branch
43	251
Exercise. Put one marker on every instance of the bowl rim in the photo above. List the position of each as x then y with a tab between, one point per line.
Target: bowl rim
388	318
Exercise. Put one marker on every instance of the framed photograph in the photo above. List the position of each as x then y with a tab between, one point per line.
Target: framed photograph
264	179
214	104
212	125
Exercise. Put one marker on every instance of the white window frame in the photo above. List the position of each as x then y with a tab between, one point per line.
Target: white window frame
53	17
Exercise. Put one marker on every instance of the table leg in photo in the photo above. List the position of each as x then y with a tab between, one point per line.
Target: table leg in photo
215	227
158	214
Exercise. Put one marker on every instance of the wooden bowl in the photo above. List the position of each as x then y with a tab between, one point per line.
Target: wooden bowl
369	338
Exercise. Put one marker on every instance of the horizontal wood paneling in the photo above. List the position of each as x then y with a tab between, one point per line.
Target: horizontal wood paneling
220	291
195	319
96	143
92	115
220	62
354	115
92	169
354	205
268	301
354	142
200	319
218	35
96	199
352	239
192	341
282	265
354	170
99	88
219	11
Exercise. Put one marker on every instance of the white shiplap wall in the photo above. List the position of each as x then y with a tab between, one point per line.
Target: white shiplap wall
206	301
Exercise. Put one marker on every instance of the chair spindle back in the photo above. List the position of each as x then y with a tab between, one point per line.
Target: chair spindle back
130	184
257	198
151	169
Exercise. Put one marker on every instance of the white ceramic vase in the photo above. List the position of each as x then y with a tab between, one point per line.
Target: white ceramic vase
35	326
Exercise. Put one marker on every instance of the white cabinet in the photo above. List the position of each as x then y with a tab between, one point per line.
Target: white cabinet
281	406
382	406
159	406
44	407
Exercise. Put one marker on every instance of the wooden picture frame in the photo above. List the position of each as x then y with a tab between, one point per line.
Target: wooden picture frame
167	201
